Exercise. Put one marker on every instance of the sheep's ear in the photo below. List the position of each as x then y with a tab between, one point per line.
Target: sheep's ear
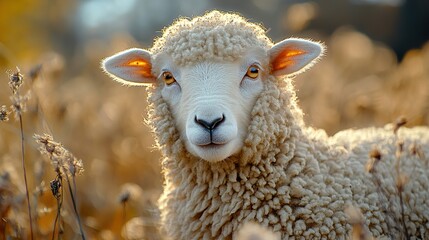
131	67
293	56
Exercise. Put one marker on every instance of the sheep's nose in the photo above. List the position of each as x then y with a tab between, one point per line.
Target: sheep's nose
210	124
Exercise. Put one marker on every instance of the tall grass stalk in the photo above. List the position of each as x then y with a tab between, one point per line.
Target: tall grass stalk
16	80
56	186
400	178
66	165
25	176
72	195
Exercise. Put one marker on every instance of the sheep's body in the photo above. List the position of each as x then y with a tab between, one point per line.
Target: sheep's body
296	182
290	178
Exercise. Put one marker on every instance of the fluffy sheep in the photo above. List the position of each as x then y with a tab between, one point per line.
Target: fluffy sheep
236	149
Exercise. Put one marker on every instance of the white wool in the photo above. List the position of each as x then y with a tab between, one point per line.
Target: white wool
214	36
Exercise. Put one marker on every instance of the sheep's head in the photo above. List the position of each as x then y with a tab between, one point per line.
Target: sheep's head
210	71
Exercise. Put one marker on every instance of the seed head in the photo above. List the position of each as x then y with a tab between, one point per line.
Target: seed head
48	145
416	150
4	114
124	197
63	161
401	121
130	192
15	79
375	153
75	165
374	158
19	103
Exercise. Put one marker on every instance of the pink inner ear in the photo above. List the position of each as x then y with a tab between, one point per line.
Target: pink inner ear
141	67
286	58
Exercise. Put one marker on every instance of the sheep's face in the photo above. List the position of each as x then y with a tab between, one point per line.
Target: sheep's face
211	101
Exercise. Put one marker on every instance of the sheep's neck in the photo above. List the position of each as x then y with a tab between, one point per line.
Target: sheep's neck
201	197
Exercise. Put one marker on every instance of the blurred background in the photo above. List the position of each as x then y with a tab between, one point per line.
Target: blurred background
375	70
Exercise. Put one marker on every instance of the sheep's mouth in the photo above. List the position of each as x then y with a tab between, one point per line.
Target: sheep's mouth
212	145
211	141
213	152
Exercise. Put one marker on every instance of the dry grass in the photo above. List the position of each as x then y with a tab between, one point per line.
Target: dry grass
359	83
395	223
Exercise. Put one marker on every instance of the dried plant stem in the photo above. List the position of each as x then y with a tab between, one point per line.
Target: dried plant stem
25	176
407	236
72	193
58	216
399	187
65	164
124	209
382	196
399	181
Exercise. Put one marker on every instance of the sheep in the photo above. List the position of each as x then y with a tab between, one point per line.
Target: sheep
236	149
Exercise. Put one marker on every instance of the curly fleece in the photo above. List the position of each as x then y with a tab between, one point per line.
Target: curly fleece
214	36
290	178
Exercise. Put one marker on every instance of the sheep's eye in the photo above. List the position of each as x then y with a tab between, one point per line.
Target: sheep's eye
168	78
252	72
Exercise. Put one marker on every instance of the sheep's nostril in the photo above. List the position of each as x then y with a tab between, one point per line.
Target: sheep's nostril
210	125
